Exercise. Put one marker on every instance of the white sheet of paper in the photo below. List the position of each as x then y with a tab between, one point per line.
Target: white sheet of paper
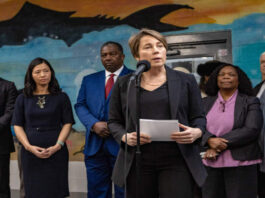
159	130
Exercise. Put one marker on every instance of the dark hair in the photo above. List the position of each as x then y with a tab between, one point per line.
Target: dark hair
112	43
202	84
205	69
29	83
244	84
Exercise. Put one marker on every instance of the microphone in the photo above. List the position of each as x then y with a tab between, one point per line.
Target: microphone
142	66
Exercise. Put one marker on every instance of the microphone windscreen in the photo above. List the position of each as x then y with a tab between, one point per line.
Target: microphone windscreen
144	62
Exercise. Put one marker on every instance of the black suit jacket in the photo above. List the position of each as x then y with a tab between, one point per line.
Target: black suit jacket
248	121
185	105
257	88
262	134
8	94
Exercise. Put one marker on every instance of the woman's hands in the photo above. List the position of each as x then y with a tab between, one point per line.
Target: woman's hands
132	138
218	144
53	149
38	151
44	152
188	136
210	154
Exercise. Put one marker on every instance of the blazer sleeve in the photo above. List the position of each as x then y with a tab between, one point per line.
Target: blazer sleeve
207	103
206	137
116	122
251	128
196	114
11	95
82	110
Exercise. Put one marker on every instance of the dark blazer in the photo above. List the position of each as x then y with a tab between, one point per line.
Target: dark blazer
92	107
262	134
248	120
185	105
257	88
8	94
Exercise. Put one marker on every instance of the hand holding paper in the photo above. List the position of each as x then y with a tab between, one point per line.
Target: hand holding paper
188	136
159	130
132	138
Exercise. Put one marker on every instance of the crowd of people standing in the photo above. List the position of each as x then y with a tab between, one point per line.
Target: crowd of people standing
217	152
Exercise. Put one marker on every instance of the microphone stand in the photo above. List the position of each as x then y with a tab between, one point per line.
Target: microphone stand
138	151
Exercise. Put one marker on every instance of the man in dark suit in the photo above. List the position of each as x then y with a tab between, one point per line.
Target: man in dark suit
92	109
8	95
259	88
259	92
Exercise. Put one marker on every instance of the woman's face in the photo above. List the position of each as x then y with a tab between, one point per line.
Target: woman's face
227	78
152	50
41	74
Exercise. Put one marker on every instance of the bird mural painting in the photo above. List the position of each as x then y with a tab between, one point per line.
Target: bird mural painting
34	21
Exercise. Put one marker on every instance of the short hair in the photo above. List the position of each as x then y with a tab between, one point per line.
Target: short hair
112	43
134	41
205	69
244	84
29	83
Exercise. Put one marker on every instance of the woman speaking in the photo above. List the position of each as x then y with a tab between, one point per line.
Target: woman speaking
168	169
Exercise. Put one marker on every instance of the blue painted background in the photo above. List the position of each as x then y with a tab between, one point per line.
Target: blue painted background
82	58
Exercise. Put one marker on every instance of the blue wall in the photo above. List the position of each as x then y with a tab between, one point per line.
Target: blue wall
82	58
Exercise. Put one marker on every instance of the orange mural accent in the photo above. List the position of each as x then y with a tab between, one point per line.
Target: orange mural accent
186	17
205	11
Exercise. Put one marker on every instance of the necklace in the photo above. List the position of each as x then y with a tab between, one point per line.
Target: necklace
152	84
41	102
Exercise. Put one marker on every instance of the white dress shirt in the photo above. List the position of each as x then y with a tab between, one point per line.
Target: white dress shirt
116	74
261	90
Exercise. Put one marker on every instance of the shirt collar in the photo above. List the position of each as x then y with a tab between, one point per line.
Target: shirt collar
117	72
220	98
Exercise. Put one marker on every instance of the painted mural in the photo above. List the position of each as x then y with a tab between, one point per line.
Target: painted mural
69	34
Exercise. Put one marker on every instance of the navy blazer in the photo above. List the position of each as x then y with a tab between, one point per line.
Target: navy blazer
185	105
262	134
92	107
248	121
8	94
257	88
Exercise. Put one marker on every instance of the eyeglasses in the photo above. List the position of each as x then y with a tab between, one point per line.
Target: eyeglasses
222	106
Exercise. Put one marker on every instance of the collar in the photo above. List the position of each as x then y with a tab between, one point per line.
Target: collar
117	72
220	98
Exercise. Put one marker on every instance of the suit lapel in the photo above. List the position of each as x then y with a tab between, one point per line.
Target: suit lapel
123	72
209	103
174	86
132	101
238	109
101	86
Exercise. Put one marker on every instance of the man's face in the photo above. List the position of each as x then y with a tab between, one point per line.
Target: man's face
262	64
111	57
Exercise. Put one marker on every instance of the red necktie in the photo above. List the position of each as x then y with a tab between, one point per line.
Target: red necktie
109	84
